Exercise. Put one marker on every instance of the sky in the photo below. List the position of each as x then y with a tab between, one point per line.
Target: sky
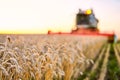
39	16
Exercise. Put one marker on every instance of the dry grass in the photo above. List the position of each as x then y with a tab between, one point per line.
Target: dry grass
46	57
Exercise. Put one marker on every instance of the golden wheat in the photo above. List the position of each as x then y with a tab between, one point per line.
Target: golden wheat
46	57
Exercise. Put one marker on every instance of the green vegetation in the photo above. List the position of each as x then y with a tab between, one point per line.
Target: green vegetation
113	70
85	73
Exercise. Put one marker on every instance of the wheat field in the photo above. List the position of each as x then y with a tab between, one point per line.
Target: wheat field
47	57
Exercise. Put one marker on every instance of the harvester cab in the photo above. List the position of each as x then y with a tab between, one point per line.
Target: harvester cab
86	22
86	19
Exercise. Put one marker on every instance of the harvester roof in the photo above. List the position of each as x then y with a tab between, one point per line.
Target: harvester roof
87	12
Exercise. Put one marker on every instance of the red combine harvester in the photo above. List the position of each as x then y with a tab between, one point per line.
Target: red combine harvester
86	24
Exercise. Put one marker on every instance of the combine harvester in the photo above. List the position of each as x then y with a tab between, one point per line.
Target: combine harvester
86	25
